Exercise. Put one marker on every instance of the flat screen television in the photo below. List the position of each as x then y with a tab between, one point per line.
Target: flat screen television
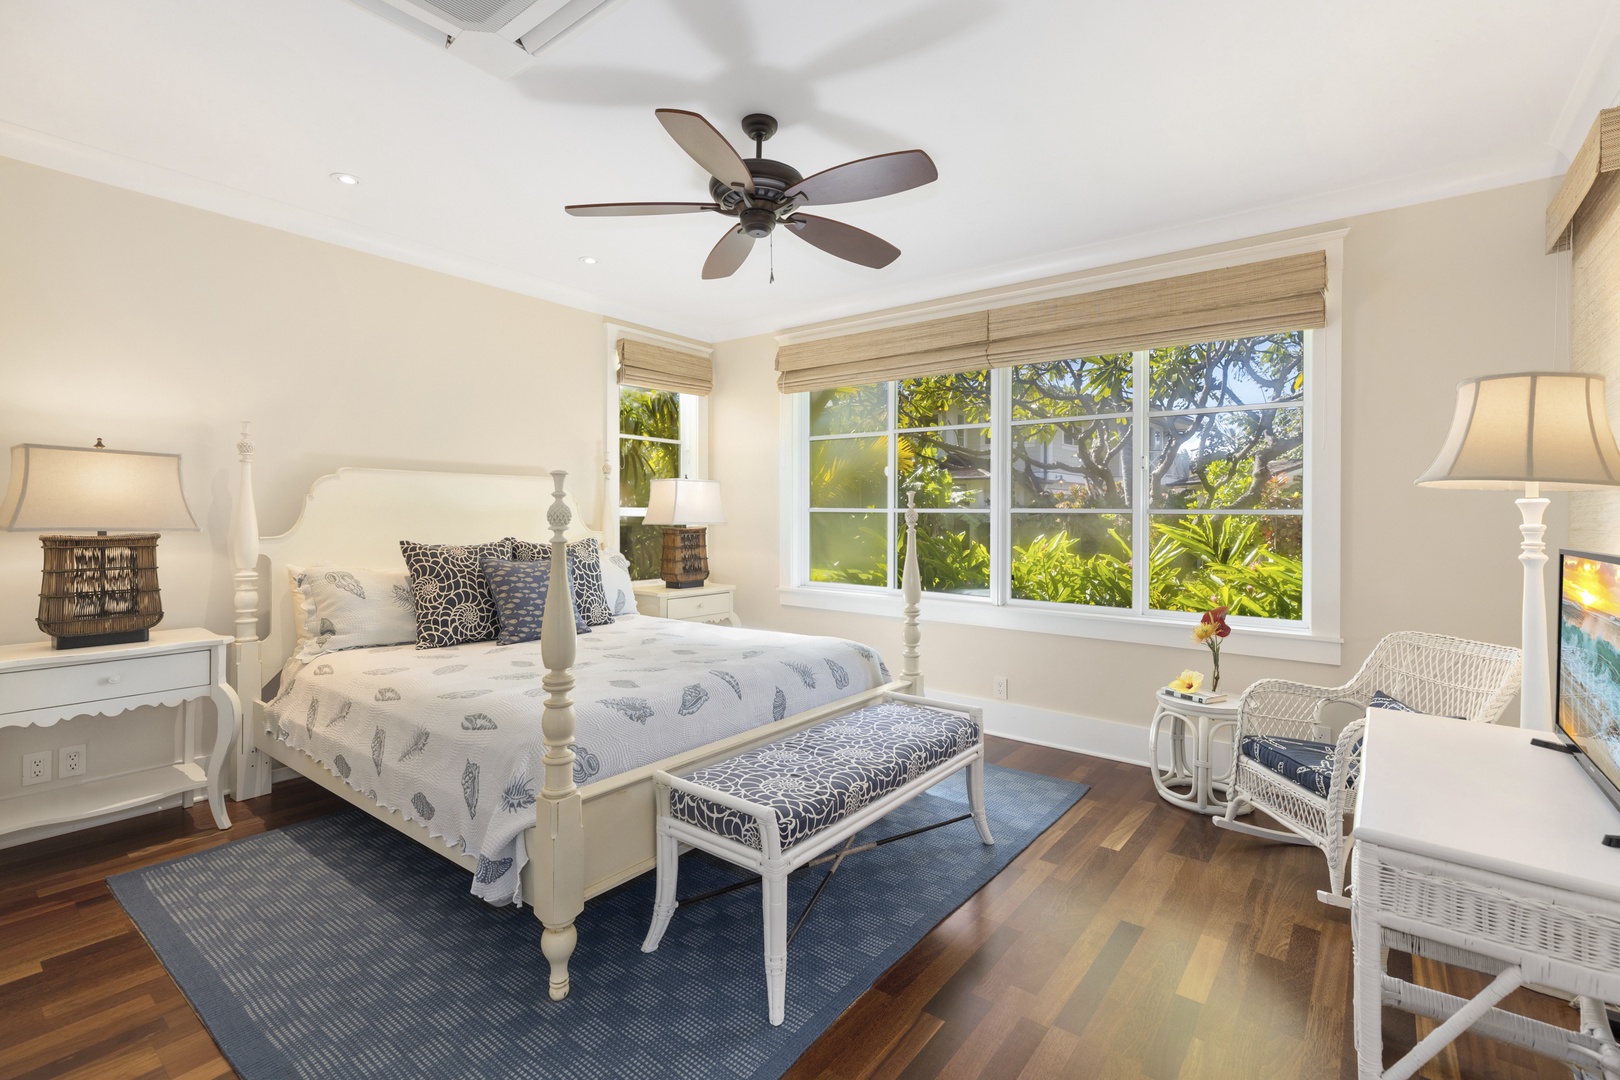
1588	705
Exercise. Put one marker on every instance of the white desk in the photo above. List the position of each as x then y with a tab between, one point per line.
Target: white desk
1473	847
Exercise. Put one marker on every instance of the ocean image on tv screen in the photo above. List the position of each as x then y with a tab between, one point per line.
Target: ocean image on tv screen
1589	660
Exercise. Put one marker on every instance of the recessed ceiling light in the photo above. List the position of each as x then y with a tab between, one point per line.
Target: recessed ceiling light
346	178
588	260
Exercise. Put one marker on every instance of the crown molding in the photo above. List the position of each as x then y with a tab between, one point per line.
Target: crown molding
77	159
1234	229
89	163
1073	285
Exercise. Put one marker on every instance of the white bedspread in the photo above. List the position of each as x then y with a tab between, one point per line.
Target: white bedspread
451	737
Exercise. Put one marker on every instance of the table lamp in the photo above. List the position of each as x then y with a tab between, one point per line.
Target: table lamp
96	590
683	507
1537	430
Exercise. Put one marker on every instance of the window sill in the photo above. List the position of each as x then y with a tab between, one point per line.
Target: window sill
1169	631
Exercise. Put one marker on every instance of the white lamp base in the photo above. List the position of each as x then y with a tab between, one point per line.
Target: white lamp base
1535	697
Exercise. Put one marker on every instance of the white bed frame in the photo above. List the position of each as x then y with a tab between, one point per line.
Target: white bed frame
586	839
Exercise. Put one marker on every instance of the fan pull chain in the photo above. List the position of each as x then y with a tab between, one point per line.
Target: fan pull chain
773	258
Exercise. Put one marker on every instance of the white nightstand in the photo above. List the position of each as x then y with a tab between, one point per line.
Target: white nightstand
40	686
709	602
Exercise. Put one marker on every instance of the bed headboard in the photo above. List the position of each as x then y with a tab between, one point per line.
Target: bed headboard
358	517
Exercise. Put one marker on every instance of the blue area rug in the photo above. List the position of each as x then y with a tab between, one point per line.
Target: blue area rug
338	948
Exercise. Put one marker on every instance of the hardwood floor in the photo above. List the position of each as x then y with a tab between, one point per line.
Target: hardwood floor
1132	940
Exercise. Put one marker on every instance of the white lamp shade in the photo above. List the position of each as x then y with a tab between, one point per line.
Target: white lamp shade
685	502
1545	427
69	487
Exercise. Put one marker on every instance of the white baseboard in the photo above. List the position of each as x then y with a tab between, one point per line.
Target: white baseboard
1087	735
1079	734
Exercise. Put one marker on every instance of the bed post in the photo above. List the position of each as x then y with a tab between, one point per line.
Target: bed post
557	842
251	775
911	589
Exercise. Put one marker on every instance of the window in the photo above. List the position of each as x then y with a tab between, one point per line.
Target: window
650	448
1136	483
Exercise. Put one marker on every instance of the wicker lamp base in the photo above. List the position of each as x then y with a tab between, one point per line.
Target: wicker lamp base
99	590
685	562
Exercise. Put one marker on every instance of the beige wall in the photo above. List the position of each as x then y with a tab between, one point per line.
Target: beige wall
157	327
1432	294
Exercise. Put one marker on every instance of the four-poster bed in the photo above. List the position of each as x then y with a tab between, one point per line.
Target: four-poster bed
586	838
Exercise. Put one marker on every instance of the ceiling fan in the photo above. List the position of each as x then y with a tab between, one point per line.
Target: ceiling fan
762	194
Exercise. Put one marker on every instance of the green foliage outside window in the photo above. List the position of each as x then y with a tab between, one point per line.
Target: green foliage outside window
1224	427
649	449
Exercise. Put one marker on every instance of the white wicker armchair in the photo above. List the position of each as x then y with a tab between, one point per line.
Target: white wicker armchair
1429	673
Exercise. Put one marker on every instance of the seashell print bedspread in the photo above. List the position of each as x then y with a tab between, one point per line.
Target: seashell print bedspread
451	738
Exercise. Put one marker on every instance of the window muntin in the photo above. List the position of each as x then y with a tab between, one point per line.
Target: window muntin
649	449
1208	508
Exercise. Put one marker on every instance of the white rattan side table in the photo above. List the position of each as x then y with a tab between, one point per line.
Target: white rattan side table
1190	782
1473	847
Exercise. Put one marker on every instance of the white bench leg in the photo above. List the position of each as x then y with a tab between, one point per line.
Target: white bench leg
774	886
664	903
975	787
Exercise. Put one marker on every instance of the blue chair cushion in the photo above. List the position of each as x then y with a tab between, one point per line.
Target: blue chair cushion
821	775
1299	761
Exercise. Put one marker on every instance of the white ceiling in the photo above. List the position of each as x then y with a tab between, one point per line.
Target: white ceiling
1068	133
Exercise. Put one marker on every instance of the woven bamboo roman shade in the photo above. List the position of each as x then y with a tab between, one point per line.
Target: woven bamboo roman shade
655	367
1234	301
1584	218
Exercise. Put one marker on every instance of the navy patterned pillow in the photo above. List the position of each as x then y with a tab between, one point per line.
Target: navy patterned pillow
584	575
520	589
453	604
1381	700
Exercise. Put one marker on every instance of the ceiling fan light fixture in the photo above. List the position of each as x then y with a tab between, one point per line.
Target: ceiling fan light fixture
757	222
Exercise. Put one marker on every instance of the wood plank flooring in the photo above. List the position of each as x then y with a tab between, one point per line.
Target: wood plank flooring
1133	940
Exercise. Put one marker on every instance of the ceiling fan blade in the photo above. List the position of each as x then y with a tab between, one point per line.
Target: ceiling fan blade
637	209
844	241
867	178
707	147
728	254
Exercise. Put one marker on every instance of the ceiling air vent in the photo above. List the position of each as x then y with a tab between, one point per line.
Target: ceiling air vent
500	36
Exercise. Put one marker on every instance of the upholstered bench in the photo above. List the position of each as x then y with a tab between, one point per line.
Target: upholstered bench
778	807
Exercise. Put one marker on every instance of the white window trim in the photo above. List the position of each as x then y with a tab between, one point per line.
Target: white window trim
1315	640
694	428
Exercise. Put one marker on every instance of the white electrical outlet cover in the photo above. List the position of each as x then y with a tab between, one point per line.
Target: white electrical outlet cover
37	767
70	761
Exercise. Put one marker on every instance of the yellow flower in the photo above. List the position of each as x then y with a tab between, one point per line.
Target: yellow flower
1204	631
1187	682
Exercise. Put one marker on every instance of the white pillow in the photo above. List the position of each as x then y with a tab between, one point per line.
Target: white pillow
351	608
621	595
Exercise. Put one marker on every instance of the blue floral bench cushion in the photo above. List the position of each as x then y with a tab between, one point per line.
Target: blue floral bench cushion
821	775
1300	761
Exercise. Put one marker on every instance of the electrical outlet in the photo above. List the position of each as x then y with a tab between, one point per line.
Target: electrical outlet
37	767
1001	688
70	761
